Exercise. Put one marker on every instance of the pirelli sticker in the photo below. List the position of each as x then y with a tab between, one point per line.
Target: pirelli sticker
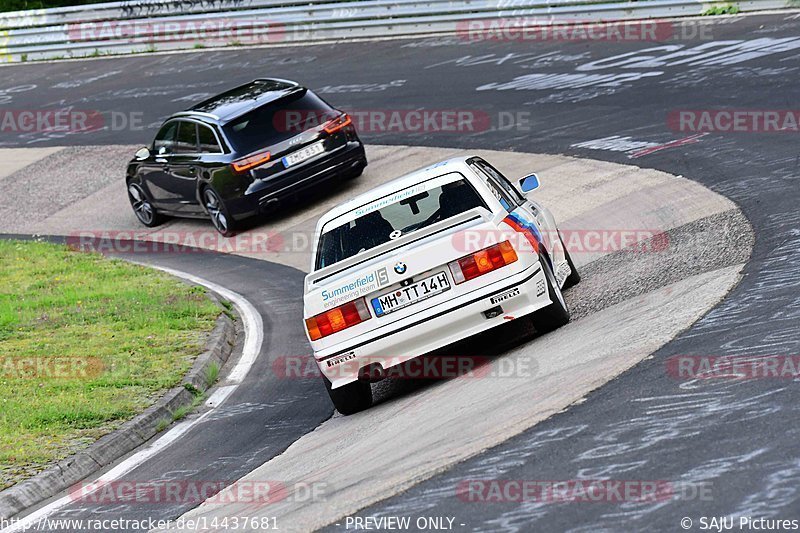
341	359
502	297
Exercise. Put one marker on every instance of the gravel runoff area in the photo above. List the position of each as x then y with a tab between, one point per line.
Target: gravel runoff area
58	180
704	245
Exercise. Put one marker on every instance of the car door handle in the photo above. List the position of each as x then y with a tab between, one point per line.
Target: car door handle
160	160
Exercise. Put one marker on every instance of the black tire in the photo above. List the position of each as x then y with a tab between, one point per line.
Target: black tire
142	206
574	277
556	314
351	398
218	213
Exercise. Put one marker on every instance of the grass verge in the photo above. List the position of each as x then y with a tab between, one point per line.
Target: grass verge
86	343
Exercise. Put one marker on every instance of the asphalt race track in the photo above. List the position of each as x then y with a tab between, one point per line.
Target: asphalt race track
731	443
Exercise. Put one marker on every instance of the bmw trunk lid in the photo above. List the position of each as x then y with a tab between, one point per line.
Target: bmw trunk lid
386	276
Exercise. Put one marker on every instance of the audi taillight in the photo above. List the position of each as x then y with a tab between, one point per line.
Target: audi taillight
251	161
337	319
338	123
482	262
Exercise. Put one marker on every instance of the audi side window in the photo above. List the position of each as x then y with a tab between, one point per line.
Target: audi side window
165	139
208	141
186	141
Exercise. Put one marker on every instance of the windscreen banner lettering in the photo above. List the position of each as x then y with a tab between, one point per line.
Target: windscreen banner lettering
359	287
389	200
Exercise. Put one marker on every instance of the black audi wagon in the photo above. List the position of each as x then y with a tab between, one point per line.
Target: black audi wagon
241	153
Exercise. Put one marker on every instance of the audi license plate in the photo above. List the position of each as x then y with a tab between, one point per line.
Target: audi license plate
302	154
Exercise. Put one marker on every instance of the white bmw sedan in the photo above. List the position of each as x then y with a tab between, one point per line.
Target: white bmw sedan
425	260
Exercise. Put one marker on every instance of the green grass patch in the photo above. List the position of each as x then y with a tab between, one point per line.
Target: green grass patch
212	373
127	332
163	424
21	5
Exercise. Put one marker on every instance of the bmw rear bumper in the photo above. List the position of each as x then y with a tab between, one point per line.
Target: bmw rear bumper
437	327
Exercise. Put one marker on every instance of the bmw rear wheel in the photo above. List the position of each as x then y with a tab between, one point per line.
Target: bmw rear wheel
350	398
574	277
556	314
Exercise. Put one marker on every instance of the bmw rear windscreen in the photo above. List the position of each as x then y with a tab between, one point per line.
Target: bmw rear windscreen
395	215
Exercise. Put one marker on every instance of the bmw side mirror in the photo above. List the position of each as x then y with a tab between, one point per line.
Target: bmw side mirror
142	154
529	183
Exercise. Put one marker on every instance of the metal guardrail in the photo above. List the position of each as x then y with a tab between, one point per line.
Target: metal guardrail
135	26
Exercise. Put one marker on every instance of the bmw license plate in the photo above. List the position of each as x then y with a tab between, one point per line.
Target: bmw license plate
405	296
303	154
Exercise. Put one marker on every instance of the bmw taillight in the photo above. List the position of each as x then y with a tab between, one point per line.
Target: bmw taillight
482	262
251	161
337	319
340	122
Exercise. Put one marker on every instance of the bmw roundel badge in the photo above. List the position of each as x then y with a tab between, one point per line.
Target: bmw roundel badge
400	268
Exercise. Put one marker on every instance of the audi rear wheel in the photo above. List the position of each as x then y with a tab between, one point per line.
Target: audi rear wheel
218	213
